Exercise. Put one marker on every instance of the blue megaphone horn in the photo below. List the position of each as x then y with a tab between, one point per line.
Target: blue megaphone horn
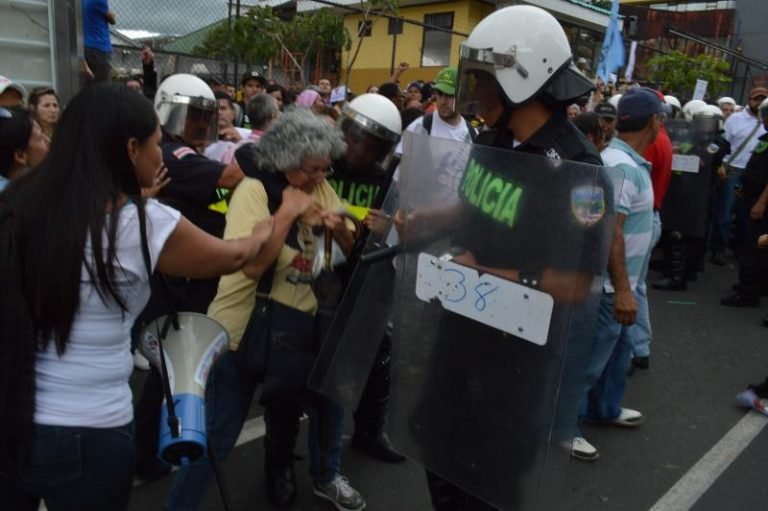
187	344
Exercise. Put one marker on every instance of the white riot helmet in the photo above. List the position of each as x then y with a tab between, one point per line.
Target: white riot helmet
674	103
690	108
708	120
526	51
372	127
186	108
614	100
708	111
726	100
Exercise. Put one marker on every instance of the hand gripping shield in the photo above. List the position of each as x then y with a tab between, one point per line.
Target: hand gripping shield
349	348
495	307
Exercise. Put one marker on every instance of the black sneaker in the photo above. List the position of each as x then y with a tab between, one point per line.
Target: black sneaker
341	494
641	362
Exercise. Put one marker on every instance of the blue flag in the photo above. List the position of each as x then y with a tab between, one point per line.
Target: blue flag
612	54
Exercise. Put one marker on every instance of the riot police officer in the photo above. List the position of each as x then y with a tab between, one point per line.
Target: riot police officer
372	128
199	187
515	72
685	212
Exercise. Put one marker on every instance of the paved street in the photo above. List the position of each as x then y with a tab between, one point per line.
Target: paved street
702	355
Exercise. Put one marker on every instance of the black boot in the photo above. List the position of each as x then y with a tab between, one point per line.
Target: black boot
371	414
377	446
282	422
675	280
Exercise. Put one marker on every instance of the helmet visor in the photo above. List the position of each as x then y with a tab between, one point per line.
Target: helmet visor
194	120
477	89
367	148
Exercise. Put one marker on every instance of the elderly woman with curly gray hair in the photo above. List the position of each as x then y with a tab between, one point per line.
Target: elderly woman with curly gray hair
286	174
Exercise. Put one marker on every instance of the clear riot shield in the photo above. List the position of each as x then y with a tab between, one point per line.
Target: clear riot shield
685	207
489	372
350	347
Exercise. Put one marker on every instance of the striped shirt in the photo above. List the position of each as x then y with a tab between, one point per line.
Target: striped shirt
636	203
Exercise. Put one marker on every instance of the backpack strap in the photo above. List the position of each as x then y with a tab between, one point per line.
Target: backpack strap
428	120
428	123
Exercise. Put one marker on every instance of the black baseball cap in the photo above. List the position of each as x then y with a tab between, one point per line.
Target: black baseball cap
605	109
252	74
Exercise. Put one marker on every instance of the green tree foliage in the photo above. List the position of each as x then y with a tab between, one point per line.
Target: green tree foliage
259	35
678	72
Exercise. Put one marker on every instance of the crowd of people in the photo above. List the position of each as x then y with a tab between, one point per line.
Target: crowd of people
224	198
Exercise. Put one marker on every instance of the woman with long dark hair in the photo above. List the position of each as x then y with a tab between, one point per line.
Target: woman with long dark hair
77	281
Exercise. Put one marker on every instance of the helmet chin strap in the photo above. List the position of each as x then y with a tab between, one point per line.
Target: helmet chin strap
502	125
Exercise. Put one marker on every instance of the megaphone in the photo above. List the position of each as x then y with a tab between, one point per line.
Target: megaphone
190	348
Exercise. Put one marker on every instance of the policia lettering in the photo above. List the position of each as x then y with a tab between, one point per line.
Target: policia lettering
491	194
358	194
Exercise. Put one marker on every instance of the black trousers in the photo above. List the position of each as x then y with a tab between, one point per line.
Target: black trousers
99	62
753	261
371	414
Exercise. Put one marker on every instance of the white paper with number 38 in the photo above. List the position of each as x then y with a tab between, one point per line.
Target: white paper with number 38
513	308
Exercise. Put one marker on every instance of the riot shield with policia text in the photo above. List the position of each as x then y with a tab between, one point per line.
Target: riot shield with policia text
495	307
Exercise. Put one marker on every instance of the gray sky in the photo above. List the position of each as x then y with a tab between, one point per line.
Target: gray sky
167	17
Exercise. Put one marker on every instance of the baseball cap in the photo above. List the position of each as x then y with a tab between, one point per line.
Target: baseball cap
638	104
7	83
757	92
445	81
252	74
605	109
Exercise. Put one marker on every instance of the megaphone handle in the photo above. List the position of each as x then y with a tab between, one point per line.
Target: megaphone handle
173	420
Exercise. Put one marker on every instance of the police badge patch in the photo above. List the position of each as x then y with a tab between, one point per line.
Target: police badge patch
588	204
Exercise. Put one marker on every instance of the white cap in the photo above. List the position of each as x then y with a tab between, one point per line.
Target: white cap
7	83
726	100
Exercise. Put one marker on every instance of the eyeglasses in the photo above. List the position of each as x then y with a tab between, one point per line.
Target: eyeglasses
316	172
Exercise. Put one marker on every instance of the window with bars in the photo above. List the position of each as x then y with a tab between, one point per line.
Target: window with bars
364	31
436	46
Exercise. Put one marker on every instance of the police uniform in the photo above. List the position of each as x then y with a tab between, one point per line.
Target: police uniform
753	261
194	192
472	362
685	212
367	190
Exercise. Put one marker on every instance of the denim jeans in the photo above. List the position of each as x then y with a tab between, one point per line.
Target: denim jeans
228	396
72	469
608	365
640	332
723	216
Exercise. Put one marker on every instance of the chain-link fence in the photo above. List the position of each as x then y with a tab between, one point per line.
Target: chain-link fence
417	40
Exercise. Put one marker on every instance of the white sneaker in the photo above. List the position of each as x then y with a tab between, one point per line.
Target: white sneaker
341	494
629	418
140	362
583	450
